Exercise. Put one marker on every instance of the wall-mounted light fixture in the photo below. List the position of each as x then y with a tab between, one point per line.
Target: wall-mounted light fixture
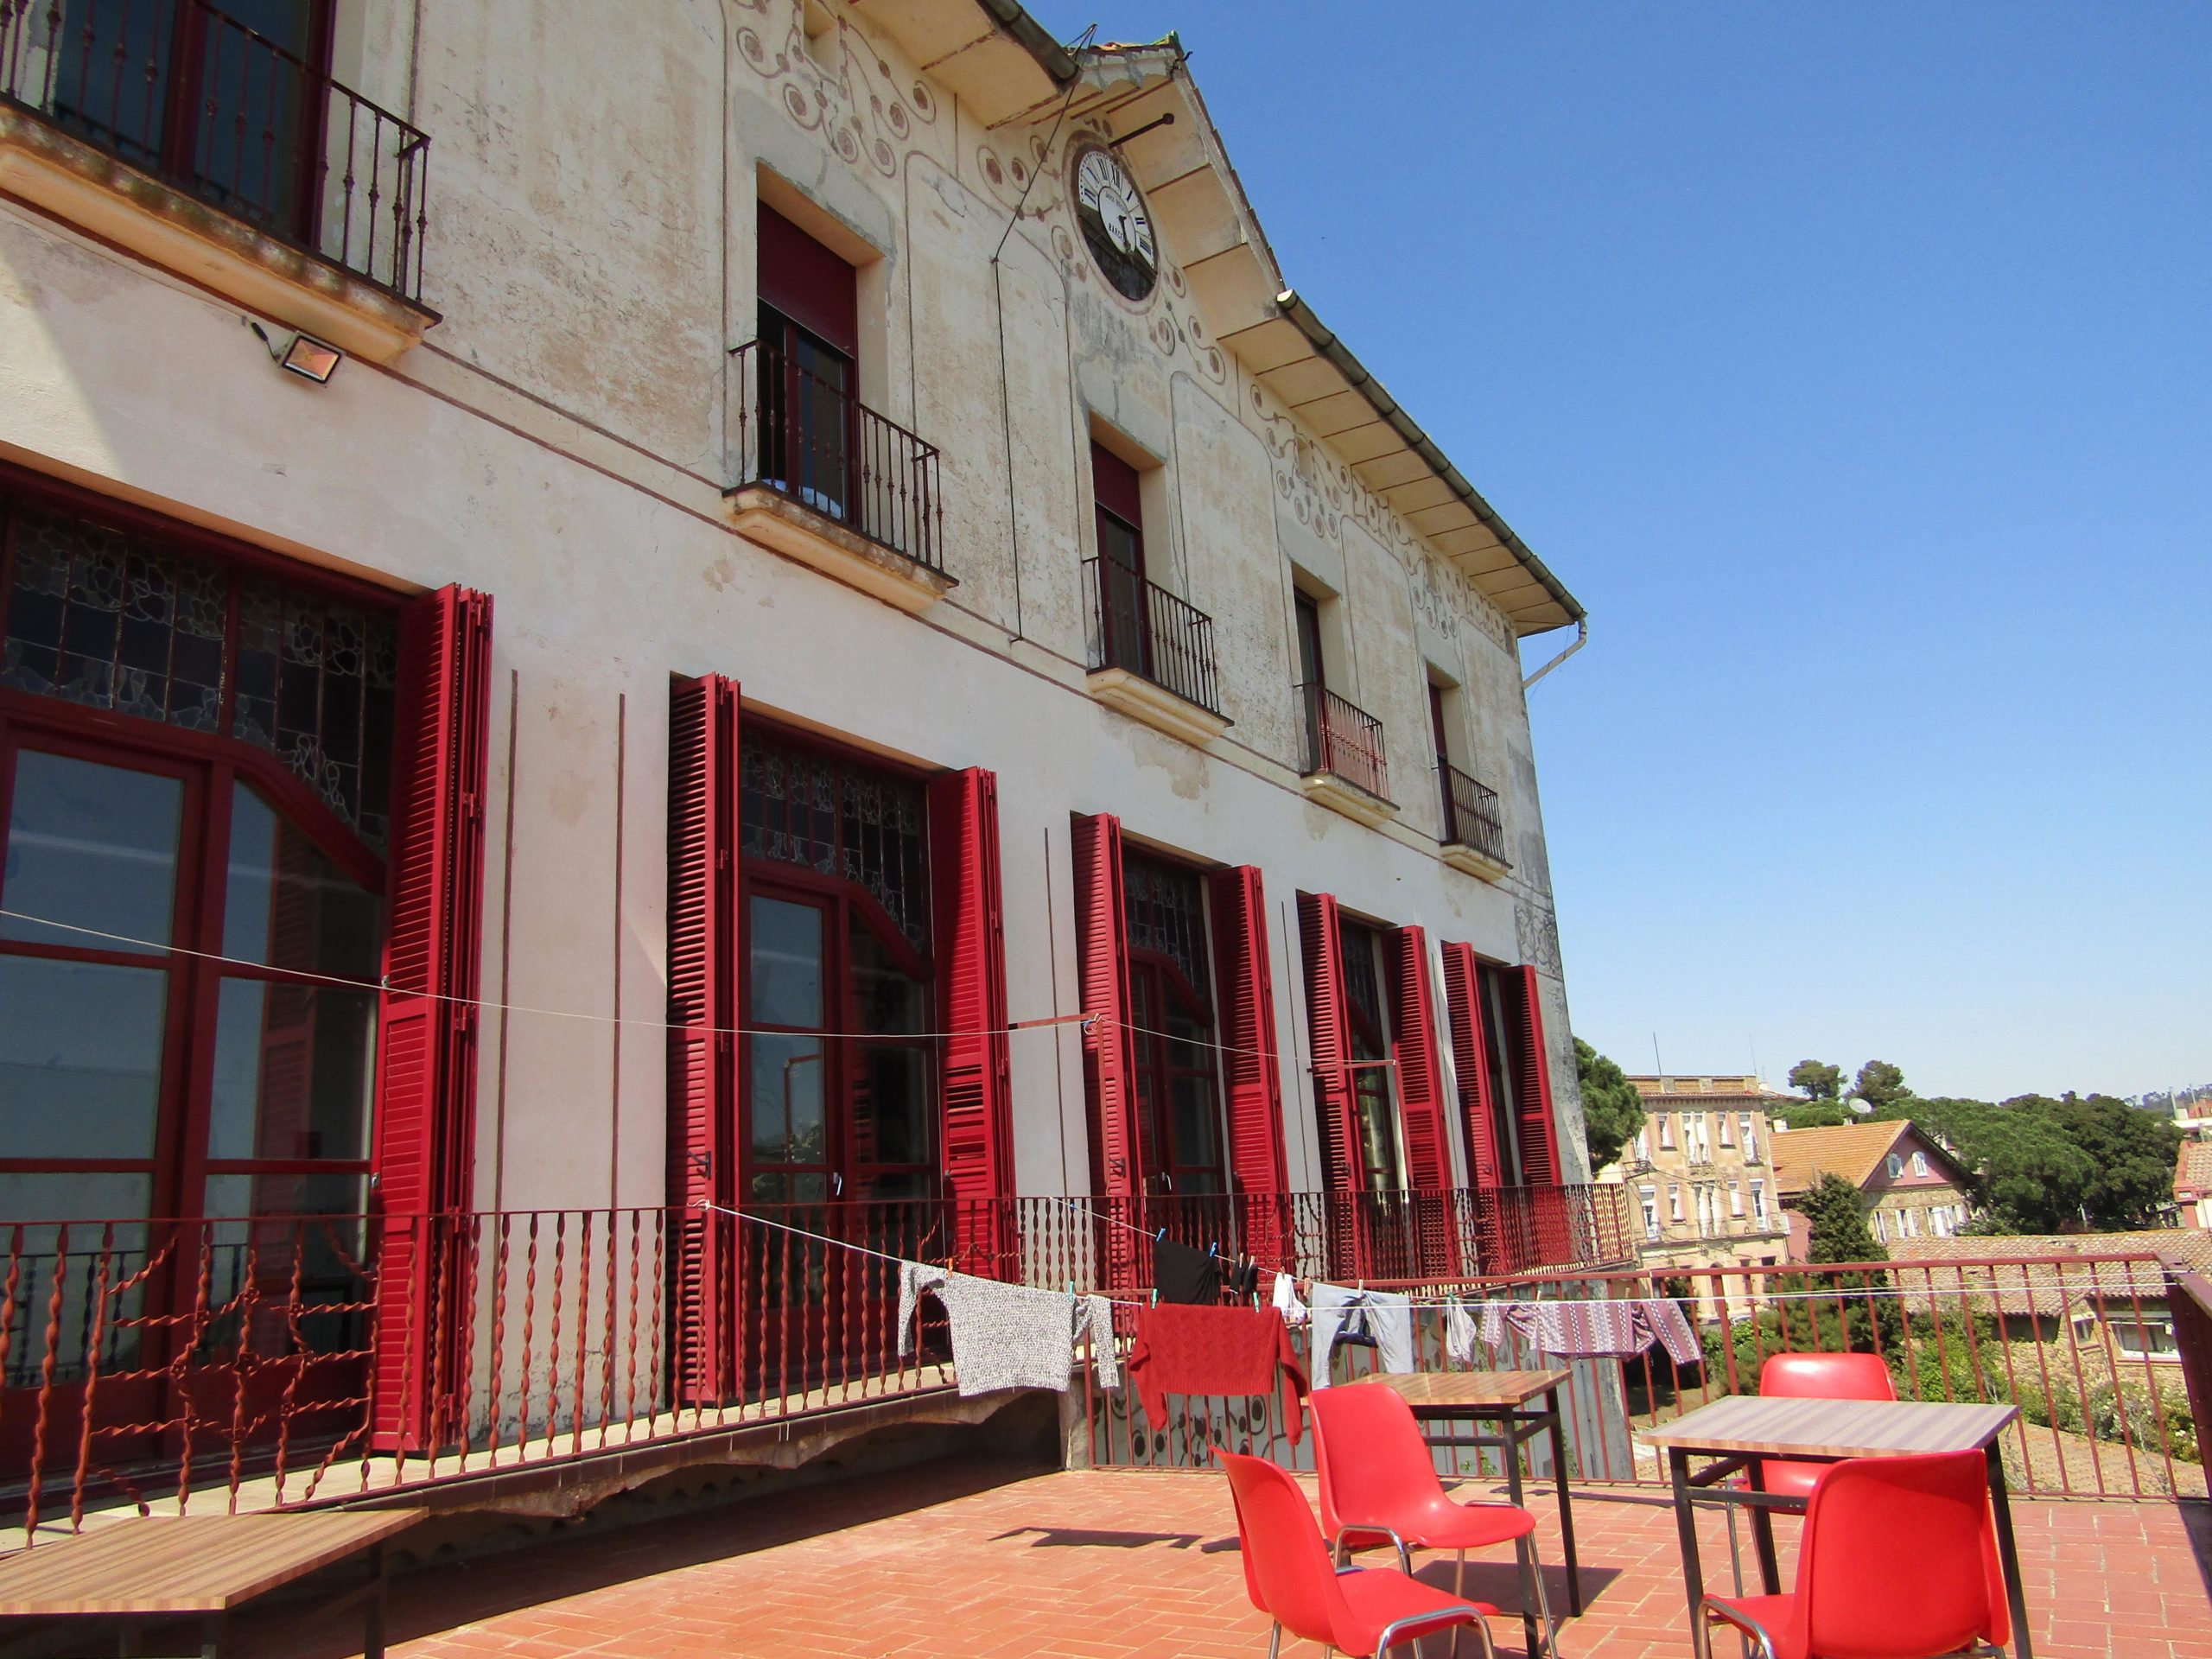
306	356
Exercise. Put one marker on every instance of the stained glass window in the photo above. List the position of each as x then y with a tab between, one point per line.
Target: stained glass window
838	818
118	621
1164	912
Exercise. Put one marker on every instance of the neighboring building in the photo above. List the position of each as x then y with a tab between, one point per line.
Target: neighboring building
1910	1186
1701	1184
2193	1184
2053	1296
934	385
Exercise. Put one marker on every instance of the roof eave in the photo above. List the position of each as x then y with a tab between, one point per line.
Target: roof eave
1355	374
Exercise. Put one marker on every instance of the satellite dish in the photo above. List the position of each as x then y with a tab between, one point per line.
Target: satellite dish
1861	1105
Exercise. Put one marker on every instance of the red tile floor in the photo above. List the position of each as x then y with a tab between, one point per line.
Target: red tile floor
974	1559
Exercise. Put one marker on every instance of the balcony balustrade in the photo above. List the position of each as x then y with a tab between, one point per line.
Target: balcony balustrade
225	117
1474	828
1146	641
825	479
1344	763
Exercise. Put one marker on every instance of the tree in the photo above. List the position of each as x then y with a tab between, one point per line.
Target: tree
1612	1110
1816	1079
1813	1115
1880	1084
1838	1220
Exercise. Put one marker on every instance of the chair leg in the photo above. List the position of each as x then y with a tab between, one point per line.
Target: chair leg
1275	1641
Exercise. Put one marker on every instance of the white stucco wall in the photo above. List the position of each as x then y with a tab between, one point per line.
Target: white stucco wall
562	441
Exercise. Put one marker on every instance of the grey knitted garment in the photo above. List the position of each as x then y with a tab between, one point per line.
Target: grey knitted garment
1008	1336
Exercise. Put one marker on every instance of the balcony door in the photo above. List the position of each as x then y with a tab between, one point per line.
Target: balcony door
1125	634
809	383
226	100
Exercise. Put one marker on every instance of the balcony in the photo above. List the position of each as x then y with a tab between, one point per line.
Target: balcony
824	479
1474	829
1151	653
175	132
1344	765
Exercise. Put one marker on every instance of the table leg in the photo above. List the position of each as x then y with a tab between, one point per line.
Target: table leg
1566	1507
1523	1549
1678	1466
2008	1553
372	1611
1763	1532
211	1637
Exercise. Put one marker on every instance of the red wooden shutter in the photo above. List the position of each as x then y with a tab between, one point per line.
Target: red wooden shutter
977	1154
1328	1023
1258	1168
426	1074
1421	1091
1470	1059
808	283
1102	976
702	959
1532	1080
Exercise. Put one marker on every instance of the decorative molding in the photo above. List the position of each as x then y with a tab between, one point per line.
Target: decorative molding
1537	933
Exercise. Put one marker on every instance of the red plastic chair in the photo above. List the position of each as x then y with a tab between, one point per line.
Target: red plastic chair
1898	1561
1288	1574
1818	1376
1379	1485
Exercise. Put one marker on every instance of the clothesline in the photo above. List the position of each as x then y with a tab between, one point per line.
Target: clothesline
486	1005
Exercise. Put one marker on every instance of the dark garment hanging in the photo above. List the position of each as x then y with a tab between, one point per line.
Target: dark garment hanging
1185	1276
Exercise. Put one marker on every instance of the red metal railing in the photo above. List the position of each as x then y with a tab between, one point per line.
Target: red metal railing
189	94
243	1363
2100	1416
810	437
1343	741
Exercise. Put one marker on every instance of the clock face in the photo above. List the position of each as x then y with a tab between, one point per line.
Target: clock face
1114	224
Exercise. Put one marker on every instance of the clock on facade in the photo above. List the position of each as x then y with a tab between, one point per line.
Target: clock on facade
1115	224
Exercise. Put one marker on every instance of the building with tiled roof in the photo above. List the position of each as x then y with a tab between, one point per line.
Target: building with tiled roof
2036	1284
2193	1183
1912	1187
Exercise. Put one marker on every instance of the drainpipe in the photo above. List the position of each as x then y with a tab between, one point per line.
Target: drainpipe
1581	639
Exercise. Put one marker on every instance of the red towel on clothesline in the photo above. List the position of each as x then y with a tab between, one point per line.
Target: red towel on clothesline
1231	1351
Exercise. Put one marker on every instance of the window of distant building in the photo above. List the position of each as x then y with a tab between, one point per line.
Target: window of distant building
1895	1166
1649	1198
1920	1163
1749	1137
1758	1202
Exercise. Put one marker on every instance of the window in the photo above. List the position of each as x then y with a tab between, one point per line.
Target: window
1881	1227
2137	1339
1643	1145
1312	673
1125	635
808	369
1648	1197
1920	1163
1171	1004
1725	1140
1381	1167
1735	1197
838	1086
1667	1131
1759	1203
1895	1166
1749	1136
1674	1203
1909	1221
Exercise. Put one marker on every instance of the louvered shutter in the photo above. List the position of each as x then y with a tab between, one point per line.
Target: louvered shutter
1532	1082
977	1134
1328	1024
1257	1163
426	1073
1102	977
1421	1100
702	959
1470	1060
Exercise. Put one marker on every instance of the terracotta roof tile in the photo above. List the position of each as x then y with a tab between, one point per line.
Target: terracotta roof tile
1853	1151
2193	1169
2055	1273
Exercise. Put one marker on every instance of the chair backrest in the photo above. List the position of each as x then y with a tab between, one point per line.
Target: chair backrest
1287	1572
1827	1376
1899	1558
1373	1462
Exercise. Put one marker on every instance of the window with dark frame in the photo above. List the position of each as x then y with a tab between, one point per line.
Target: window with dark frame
1374	1093
1177	1070
1124	639
808	372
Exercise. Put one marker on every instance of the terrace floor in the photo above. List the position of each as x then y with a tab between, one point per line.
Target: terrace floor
975	1559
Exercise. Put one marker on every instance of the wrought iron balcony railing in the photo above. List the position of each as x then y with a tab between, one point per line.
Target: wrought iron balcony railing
809	438
188	93
1471	813
1344	741
1139	626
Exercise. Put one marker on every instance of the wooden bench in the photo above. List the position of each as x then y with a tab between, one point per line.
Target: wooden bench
154	1570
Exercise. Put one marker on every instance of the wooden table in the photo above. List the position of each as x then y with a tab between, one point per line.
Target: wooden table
1739	1432
1503	1397
150	1570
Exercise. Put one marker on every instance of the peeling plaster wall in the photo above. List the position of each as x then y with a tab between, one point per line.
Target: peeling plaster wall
562	441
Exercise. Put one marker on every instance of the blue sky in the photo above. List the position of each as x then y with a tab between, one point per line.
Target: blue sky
1853	366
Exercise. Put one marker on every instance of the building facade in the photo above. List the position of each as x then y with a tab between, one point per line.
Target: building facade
1910	1186
1701	1181
813	627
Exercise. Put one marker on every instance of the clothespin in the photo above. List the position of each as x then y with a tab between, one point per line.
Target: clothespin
1160	1237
